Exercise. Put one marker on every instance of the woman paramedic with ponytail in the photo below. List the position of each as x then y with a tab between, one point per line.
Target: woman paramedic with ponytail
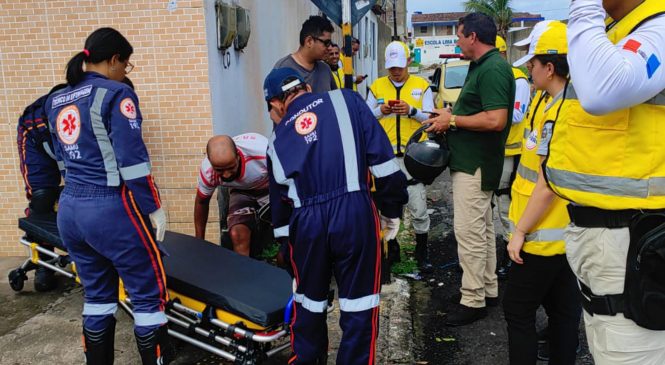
542	275
110	202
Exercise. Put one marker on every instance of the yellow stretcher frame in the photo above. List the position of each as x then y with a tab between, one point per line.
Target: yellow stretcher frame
225	334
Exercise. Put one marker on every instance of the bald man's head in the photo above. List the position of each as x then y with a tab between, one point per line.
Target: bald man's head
223	157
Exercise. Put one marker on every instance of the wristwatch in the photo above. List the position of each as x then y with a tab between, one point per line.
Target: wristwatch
413	111
453	125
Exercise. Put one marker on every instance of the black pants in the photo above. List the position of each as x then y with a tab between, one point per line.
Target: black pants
550	282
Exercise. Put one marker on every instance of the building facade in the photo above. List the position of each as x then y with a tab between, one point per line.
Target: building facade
442	24
435	34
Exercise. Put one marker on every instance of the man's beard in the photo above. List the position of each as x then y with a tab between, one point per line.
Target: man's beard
233	177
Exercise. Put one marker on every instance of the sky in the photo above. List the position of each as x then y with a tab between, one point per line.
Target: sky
550	9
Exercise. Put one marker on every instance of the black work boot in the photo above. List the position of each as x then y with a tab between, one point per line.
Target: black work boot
422	256
504	266
98	345
464	315
386	265
155	348
393	251
502	271
45	279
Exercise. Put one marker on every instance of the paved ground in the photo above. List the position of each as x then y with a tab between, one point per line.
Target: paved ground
482	343
45	328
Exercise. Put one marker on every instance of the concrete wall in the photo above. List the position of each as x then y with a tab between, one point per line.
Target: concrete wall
237	90
365	61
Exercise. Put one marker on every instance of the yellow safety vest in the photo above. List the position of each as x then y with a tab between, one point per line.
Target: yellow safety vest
514	141
614	161
399	128
339	74
546	238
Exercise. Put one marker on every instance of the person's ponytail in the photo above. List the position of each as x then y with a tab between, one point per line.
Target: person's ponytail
101	45
75	69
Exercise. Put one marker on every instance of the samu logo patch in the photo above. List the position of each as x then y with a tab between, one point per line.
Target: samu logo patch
68	124
127	108
306	123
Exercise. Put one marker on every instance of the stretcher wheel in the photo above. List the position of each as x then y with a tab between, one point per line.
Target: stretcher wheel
17	279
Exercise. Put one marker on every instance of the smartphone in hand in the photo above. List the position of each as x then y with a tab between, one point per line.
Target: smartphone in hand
393	102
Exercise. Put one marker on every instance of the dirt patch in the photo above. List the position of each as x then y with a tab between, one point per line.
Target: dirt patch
483	342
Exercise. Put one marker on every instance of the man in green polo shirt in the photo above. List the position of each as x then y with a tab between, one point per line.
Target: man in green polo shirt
477	129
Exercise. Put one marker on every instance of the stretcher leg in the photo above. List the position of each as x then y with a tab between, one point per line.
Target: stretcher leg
57	263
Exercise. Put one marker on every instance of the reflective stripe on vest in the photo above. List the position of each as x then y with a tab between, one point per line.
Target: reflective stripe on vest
608	185
541	235
513	146
546	237
613	161
527	173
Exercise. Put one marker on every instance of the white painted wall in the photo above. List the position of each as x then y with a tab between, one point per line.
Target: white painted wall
236	92
365	61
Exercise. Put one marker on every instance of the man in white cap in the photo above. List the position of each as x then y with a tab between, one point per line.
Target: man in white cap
400	102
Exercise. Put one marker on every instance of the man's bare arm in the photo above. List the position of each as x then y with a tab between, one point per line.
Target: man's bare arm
201	210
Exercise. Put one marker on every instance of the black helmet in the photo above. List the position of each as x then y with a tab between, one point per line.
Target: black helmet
427	159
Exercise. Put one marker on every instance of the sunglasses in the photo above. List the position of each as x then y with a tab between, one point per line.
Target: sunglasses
326	42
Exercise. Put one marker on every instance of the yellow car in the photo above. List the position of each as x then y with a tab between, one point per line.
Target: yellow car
447	82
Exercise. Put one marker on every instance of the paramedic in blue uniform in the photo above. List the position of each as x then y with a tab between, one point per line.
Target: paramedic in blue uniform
321	153
110	202
40	172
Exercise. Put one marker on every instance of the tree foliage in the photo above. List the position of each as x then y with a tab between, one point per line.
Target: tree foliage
499	10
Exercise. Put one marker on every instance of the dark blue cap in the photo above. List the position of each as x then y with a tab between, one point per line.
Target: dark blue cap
280	80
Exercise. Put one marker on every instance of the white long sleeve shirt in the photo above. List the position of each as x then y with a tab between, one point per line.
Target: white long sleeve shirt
427	104
610	77
522	98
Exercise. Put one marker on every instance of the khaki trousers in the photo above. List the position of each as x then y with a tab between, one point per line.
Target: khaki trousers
503	201
417	204
597	256
476	243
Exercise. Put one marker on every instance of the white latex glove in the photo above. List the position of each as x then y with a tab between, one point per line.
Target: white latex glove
389	227
158	220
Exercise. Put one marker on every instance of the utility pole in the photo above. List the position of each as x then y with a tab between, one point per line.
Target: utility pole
347	31
395	36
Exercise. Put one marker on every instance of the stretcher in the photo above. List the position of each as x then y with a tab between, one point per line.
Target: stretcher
230	305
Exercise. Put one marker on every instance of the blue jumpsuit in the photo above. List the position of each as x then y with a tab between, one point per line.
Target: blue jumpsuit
108	194
35	149
320	157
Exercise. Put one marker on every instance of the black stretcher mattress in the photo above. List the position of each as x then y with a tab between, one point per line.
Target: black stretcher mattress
42	228
251	289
